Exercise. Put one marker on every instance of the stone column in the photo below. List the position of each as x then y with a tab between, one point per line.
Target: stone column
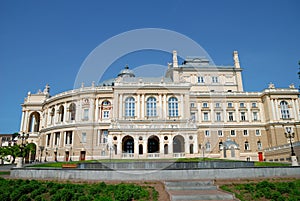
160	107
297	109
161	145
170	146
294	109
138	106
22	121
65	112
25	125
143	107
145	143
121	106
164	107
97	110
181	106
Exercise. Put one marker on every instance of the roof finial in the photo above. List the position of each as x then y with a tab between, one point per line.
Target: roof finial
175	60
126	67
236	59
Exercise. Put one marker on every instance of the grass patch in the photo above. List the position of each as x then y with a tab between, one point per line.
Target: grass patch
41	190
4	173
265	190
269	164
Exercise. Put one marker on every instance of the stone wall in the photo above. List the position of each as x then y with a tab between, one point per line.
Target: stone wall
125	175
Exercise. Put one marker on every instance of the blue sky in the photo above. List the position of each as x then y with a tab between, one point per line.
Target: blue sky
47	41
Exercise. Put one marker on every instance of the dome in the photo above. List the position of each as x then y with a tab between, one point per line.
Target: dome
126	72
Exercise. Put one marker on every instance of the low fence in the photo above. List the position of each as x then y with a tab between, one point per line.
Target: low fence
165	165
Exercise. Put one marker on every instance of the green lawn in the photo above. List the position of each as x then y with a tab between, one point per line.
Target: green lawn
266	190
33	190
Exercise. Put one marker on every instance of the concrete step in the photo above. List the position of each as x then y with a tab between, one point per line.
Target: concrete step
199	195
195	191
178	188
189	183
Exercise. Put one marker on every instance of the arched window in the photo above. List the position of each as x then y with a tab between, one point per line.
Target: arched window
34	122
52	113
207	146
61	113
247	147
220	145
151	107
72	110
284	108
259	145
129	107
173	107
105	107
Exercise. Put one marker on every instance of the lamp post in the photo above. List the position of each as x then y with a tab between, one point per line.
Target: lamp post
289	134
41	152
46	153
23	138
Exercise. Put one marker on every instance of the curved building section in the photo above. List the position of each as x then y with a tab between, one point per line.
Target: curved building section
196	110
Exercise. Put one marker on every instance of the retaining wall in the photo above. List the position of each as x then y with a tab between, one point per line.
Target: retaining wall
92	174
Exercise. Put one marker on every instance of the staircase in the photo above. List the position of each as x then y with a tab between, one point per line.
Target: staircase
195	191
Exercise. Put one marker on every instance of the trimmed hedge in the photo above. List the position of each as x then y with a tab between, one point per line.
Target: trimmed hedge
33	190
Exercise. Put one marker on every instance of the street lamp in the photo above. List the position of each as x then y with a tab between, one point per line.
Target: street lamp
23	138
289	134
41	152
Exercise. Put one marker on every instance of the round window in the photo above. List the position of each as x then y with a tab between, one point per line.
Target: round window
191	137
115	138
166	137
140	138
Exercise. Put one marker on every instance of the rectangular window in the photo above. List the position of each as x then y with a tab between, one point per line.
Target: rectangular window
57	138
257	132
230	116
205	116
232	132
242	104
105	114
207	133
68	137
200	79
220	133
205	105
254	104
245	132
215	79
48	139
104	136
86	114
230	105
255	116
243	116
218	105
193	116
83	137
218	116
192	105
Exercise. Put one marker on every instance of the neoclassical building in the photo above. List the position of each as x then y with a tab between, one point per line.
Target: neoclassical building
196	110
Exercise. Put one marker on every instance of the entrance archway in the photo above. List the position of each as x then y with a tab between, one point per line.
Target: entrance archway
128	144
153	144
178	144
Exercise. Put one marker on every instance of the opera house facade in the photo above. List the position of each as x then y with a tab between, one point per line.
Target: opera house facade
196	110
